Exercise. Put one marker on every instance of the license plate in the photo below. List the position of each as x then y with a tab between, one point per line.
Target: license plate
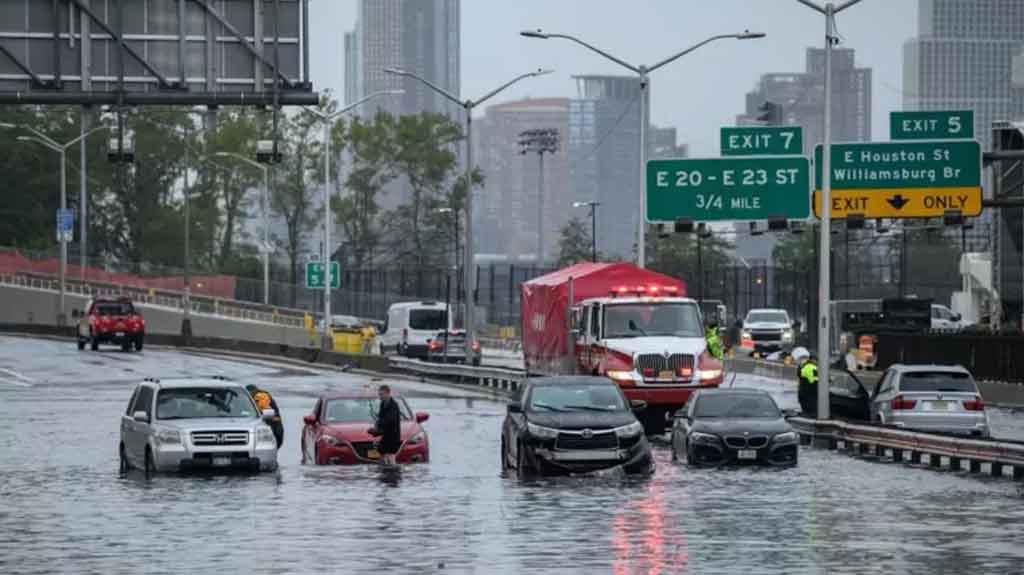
940	405
373	454
746	454
222	461
119	334
667	375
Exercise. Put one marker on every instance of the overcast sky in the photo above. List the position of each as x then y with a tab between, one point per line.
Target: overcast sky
696	94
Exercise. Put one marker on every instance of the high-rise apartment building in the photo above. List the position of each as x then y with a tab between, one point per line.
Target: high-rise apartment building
802	97
969	54
420	36
512	204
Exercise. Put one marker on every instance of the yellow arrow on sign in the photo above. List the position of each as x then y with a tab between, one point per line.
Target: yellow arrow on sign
902	203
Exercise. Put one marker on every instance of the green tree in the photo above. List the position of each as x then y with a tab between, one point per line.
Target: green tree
237	131
677	254
292	194
574	243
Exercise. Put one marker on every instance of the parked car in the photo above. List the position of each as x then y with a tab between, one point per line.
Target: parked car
849	398
455	343
109	320
767	330
191	424
719	426
573	424
410	325
336	432
936	398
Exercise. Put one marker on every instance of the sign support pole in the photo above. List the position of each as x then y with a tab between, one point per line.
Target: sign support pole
824	289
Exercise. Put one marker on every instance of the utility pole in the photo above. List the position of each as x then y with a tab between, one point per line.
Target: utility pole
541	141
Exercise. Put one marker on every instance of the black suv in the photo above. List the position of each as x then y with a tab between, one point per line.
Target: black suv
573	424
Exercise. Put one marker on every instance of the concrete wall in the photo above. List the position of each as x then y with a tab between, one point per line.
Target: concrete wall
39	307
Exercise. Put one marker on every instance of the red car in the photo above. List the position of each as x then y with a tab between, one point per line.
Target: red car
337	431
110	320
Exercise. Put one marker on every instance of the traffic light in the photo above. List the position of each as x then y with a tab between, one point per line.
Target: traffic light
770	114
121	150
267	152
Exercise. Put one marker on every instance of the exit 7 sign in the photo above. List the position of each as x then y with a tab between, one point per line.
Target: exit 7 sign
763	141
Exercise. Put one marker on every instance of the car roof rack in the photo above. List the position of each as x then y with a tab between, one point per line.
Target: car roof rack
151	379
220	377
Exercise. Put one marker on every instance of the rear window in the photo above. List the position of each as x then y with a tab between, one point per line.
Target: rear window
767	317
937	381
113	308
428	319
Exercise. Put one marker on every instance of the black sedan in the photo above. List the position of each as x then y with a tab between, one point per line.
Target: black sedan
721	426
569	424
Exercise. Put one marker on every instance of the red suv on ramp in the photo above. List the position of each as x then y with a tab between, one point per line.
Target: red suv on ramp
111	320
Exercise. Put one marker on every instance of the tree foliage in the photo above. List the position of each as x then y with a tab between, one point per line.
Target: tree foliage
574	243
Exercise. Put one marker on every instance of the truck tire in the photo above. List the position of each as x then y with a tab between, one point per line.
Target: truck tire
138	343
93	343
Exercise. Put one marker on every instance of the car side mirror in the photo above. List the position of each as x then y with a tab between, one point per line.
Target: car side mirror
515	408
638	405
268	415
787	413
422	416
141	416
957	317
309	419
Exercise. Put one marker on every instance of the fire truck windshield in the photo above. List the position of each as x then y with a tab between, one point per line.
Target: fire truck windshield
652	319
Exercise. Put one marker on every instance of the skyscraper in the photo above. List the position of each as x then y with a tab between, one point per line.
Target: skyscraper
802	97
969	54
420	36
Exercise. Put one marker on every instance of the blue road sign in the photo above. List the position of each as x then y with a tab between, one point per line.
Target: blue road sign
65	225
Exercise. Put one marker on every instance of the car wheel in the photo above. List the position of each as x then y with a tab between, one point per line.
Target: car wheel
522	465
504	454
93	343
150	467
380	346
122	460
81	343
316	455
138	343
126	345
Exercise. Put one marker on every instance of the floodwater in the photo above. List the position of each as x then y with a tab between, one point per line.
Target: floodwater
65	509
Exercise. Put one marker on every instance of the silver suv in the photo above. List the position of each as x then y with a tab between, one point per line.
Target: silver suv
193	424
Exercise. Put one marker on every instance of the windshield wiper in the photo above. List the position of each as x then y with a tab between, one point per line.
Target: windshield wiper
548	407
588	408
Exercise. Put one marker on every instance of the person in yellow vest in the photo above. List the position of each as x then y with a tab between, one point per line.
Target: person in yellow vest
368	334
807	391
265	401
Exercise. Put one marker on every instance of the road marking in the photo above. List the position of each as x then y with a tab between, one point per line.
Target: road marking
25	381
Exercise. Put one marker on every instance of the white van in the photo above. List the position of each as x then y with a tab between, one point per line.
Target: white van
411	325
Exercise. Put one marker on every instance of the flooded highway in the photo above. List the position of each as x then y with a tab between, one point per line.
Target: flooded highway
66	510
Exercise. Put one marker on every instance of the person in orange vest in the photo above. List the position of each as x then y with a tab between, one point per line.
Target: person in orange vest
265	401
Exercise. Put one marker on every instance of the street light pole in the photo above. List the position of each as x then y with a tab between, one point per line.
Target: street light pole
61	149
642	73
829	10
327	120
265	249
469	269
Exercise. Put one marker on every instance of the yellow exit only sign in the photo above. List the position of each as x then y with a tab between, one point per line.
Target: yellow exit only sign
902	203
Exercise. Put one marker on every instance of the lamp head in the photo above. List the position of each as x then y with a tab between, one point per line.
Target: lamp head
748	35
534	34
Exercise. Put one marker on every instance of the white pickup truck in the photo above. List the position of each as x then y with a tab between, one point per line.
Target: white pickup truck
767	330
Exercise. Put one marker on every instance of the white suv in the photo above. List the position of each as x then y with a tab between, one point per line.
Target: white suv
192	424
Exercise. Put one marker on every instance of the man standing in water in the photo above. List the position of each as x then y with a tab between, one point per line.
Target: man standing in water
388	427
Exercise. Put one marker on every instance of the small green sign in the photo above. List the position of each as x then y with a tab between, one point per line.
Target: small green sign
896	165
763	141
716	189
954	125
315	275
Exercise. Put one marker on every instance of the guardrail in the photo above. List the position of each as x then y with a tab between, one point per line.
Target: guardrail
506	380
941	451
235	309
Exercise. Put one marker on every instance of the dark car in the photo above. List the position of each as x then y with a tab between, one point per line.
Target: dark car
721	426
573	424
848	396
455	344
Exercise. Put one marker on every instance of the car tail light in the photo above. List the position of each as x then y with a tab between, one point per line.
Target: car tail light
435	346
975	404
709	369
405	334
476	347
686	372
649	372
898	403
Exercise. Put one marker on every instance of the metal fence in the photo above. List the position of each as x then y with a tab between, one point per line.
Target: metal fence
990	357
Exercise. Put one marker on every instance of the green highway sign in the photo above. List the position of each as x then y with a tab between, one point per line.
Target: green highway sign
715	189
315	275
903	179
955	125
763	141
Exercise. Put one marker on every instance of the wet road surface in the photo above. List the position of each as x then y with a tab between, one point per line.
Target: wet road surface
66	510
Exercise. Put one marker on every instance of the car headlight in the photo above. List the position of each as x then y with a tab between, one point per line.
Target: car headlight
332	441
265	435
787	437
787	335
624	377
541	432
709	374
635	428
417	439
168	437
698	437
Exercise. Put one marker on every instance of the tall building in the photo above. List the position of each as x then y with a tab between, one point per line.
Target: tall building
969	54
604	157
420	36
511	204
802	97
